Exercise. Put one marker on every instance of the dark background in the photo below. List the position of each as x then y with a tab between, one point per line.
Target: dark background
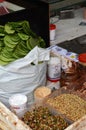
37	13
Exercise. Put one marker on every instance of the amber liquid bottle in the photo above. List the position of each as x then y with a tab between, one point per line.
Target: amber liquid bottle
69	78
82	68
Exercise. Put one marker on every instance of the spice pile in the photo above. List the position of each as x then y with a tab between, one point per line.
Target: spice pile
72	106
41	119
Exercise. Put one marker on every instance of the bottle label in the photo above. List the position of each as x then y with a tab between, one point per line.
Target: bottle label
54	71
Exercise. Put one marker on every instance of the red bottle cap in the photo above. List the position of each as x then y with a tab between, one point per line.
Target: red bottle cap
1	0
52	26
53	80
82	57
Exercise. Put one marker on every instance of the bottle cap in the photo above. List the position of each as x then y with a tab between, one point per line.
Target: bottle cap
82	57
1	1
52	26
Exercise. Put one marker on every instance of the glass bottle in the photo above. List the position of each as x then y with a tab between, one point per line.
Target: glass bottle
69	74
82	67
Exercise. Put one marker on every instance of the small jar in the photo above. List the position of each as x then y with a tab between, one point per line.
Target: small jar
52	32
82	63
18	103
41	92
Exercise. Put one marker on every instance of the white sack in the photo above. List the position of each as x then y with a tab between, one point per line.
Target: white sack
78	125
22	77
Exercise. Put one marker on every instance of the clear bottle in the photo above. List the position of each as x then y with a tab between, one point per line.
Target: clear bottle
69	74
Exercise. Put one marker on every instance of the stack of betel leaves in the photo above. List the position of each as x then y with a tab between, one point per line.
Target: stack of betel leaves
17	40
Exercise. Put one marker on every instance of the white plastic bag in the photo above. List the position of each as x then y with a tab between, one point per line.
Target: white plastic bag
22	77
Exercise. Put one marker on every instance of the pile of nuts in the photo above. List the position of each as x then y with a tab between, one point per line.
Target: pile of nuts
70	105
41	118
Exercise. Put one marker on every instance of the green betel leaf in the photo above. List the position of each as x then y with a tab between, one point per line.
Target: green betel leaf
2	32
23	36
9	29
9	42
3	63
16	40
